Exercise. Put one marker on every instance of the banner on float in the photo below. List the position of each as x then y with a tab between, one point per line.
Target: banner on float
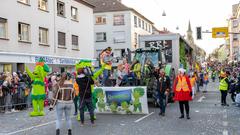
121	100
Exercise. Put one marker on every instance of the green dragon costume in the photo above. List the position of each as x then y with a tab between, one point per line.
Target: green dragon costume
137	93
88	63
38	87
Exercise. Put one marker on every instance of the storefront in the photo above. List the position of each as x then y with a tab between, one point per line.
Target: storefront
12	62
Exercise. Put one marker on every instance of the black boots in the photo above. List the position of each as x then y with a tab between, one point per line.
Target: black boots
58	132
181	117
69	132
188	117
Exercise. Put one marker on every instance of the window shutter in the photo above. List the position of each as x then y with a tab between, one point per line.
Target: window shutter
61	38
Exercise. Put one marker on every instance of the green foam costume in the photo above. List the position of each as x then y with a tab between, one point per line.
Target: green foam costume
88	63
38	87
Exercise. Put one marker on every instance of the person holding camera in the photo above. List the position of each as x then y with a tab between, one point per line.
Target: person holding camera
63	99
84	81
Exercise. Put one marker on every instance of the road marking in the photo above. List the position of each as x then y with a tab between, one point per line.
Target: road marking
196	111
30	128
225	132
201	99
225	123
138	120
37	126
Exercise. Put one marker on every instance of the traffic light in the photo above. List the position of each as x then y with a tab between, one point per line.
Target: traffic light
199	33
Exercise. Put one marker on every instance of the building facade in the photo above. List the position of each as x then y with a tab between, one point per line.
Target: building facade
233	24
60	31
118	26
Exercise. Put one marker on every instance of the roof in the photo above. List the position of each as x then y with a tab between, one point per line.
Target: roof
112	6
84	2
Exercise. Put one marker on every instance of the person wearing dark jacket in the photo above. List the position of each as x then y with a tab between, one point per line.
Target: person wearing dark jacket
163	88
84	82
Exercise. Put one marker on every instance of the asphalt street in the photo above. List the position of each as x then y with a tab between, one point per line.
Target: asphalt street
208	117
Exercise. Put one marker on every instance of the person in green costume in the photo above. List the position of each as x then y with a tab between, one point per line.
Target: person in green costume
95	75
38	87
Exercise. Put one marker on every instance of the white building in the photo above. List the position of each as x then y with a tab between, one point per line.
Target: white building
60	31
118	26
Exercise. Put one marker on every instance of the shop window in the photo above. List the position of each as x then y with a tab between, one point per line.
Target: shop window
7	68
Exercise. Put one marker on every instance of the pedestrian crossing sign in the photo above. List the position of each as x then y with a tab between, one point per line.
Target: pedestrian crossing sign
220	32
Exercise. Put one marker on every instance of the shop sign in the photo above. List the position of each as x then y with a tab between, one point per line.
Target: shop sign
60	61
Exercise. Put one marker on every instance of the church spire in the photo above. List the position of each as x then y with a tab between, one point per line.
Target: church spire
189	27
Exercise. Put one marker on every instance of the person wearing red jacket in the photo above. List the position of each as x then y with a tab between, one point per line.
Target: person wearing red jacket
183	92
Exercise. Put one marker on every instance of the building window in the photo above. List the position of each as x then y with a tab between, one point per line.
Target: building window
143	25
135	21
61	39
146	26
119	37
135	40
74	13
43	36
3	28
235	23
100	20
118	20
61	9
139	23
101	37
235	37
149	27
24	1
43	4
74	42
23	32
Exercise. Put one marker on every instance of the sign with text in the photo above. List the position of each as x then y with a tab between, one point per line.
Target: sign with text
54	60
166	46
121	100
220	32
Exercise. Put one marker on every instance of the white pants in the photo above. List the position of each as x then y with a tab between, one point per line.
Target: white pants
205	87
193	92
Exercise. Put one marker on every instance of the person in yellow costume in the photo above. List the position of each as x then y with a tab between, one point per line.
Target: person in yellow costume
38	94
